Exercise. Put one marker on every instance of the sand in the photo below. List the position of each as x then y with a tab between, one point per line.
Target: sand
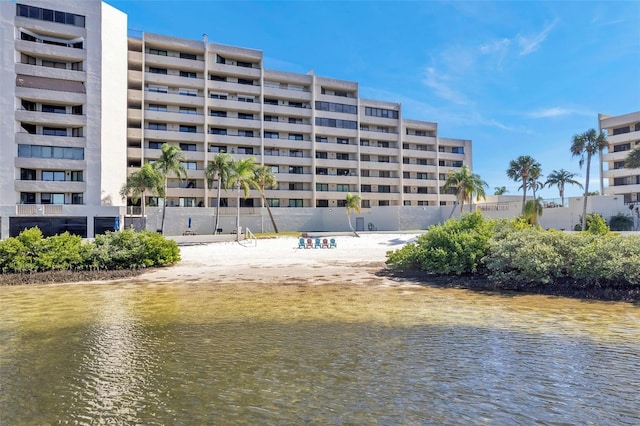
280	261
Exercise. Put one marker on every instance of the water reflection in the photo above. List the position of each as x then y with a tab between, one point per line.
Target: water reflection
158	354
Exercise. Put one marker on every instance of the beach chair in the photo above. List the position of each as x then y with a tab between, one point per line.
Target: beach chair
332	243
325	243
301	243
309	243
317	244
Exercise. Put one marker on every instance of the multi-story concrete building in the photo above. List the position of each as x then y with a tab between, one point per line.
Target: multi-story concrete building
623	134
62	122
80	111
318	136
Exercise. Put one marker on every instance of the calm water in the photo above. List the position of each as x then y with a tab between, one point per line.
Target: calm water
244	354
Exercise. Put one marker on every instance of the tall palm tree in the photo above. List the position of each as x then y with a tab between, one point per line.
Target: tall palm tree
219	170
633	159
520	170
560	178
170	161
263	179
587	144
352	203
147	178
242	177
465	185
500	190
534	185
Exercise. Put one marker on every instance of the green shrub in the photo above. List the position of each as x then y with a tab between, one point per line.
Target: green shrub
621	222
131	249
62	252
595	224
456	247
608	258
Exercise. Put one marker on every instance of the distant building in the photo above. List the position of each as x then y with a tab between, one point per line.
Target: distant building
84	104
623	134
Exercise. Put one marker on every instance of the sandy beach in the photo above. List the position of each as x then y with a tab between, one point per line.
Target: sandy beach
279	260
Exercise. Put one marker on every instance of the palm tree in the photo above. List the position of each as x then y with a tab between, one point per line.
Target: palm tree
219	170
633	159
263	179
500	190
465	185
170	161
560	178
587	144
242	176
520	170
147	178
533	210
534	185
352	203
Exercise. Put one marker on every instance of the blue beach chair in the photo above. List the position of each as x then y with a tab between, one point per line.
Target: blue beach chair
301	243
332	243
317	244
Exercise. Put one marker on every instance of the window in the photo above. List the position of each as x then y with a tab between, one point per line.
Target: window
188	110
456	164
217	77
77	198
322	203
621	130
384	174
275	169
188	147
295	104
322	187
188	56
295	153
220	60
457	150
295	137
270	101
245	150
244	64
365	157
364	173
155	145
54	64
380	112
365	204
296	170
246	81
271	151
154	70
342	141
364	142
244	116
365	188
188	129
273	202
76	110
39	151
189	165
218	113
320	154
342	187
158	89
158	52
383	202
187	92
618	165
295	186
27	198
332	122
217	96
27	174
622	147
421	176
77	176
188	74
383	144
293	120
342	172
50	198
295	202
384	188
157	107
50	15
322	171
218	131
334	107
245	133
218	148
322	139
423	162
54	131
26	59
270	118
341	203
271	135
157	126
56	109
51	176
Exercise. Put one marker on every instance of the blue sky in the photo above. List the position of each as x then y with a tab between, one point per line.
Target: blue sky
517	78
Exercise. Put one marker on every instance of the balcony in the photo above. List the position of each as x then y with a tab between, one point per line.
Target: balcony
174	98
51	51
173	80
624	137
173	62
278	92
234	105
53	119
49	186
40	139
234	70
228	87
173	135
174	117
39	209
48	72
46	96
286	127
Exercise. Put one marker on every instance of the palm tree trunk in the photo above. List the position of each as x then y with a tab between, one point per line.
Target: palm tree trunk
273	222
217	209
562	194
586	191
351	227
524	194
455	204
164	208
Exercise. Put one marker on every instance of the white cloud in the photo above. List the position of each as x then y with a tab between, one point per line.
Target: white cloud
441	85
557	112
530	44
498	50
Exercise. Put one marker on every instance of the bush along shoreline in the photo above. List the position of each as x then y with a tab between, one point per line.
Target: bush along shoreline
512	256
30	258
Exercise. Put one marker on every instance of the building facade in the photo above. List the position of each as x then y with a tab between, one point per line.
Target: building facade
81	111
623	135
62	123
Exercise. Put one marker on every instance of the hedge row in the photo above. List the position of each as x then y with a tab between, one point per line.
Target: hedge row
30	252
514	252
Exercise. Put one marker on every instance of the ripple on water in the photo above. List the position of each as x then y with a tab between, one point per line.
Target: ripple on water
158	354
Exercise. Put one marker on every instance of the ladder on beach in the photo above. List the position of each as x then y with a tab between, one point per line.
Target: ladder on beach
250	238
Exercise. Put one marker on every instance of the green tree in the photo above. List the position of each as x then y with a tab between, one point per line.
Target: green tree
352	203
633	159
170	161
264	179
242	176
147	178
500	190
621	222
585	146
533	210
219	170
520	170
561	178
465	185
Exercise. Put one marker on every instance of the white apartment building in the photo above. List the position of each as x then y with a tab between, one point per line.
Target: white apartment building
80	111
623	135
62	116
318	136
